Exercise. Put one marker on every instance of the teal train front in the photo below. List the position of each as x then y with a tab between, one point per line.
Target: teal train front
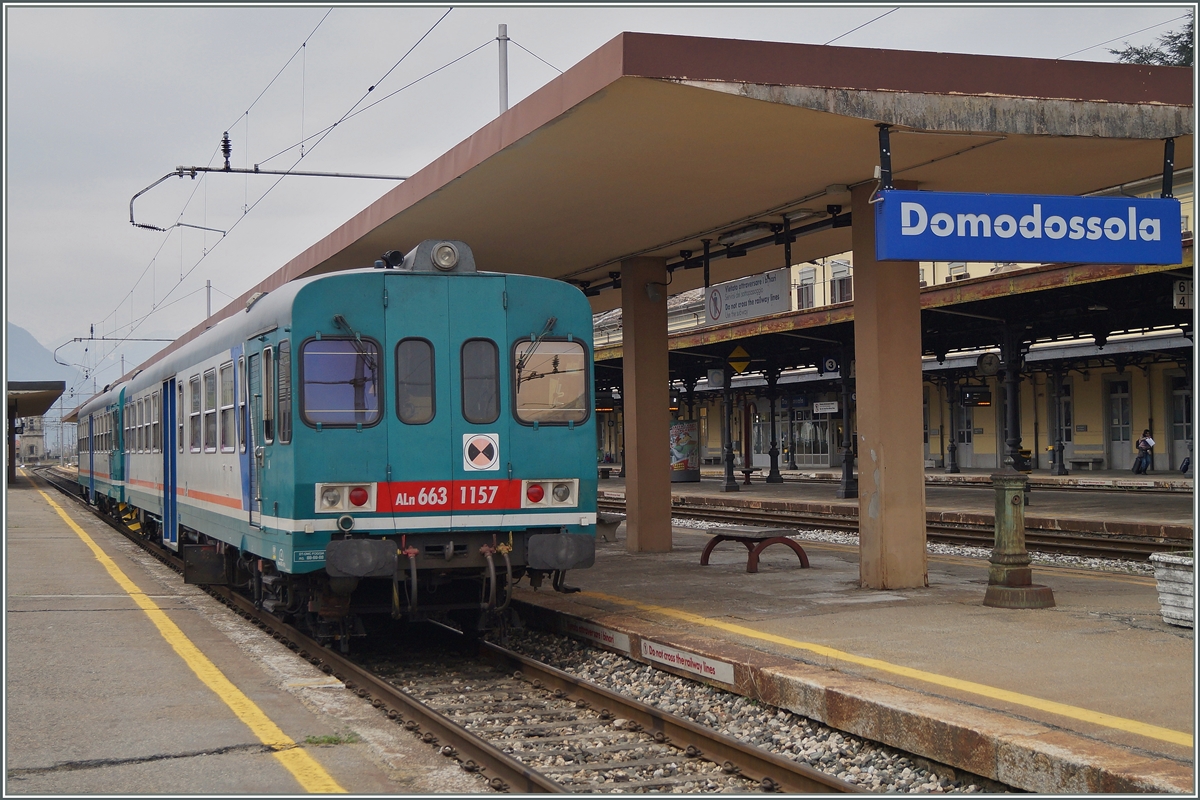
407	440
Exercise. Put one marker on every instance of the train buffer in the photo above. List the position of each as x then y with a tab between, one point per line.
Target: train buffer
756	540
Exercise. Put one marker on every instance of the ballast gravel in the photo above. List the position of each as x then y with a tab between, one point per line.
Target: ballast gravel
965	551
875	767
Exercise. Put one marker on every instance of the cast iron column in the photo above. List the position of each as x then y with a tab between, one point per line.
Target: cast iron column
727	431
1012	358
791	431
952	448
849	485
1059	467
772	391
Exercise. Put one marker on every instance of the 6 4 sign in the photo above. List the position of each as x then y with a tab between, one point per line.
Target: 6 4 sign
1182	295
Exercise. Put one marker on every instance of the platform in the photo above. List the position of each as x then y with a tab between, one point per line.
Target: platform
1054	504
99	702
1094	695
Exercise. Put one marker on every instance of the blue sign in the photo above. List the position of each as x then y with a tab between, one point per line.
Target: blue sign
950	226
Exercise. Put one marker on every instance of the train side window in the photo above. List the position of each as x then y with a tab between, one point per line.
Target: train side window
339	382
144	420
414	381
480	381
268	395
194	414
156	424
179	415
139	424
127	427
210	411
241	412
228	410
550	382
283	374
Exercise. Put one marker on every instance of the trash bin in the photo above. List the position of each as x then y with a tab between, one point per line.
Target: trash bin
1024	461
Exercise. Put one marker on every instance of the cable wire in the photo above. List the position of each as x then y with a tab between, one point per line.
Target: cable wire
865	24
535	55
1110	41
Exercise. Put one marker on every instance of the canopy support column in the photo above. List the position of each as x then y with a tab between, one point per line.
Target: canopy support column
647	405
887	347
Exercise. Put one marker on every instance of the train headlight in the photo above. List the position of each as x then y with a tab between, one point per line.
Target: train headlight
331	497
535	493
562	492
359	496
445	256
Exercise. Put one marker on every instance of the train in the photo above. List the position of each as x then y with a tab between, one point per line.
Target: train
409	440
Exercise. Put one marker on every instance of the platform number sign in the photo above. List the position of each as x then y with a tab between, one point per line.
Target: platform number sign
1182	296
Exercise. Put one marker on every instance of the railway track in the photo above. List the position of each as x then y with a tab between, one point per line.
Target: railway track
1036	540
526	726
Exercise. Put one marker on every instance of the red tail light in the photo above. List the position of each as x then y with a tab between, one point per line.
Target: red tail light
359	496
535	493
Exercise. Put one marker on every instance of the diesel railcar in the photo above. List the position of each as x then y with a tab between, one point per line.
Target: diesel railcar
409	439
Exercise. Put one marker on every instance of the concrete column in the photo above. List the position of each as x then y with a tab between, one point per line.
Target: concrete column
647	403
891	475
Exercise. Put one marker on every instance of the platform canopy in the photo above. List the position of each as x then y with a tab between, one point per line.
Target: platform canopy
32	398
654	142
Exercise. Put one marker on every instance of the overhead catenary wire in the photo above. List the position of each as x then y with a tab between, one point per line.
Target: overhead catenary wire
535	55
1123	36
865	24
134	324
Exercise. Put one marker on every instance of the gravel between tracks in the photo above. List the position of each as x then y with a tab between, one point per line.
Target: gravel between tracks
873	766
936	548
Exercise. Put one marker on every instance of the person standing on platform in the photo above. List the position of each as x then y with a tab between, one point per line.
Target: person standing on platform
1145	447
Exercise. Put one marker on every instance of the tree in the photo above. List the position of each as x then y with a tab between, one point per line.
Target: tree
1174	49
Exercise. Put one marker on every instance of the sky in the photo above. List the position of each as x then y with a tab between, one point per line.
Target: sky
101	102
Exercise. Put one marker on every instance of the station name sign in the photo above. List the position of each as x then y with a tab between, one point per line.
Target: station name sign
959	226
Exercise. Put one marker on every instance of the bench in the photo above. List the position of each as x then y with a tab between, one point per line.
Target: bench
606	469
748	471
1092	462
607	524
756	540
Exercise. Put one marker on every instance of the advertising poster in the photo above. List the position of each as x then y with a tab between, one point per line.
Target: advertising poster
685	451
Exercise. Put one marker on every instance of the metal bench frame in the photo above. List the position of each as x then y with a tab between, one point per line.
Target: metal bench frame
756	540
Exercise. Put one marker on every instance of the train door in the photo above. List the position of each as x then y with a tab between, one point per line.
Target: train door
418	355
483	454
170	519
119	456
254	433
91	459
1120	425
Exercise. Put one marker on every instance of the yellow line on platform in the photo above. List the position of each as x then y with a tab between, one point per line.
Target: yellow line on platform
311	775
1062	709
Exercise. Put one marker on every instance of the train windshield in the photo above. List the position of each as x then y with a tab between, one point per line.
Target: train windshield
340	382
551	382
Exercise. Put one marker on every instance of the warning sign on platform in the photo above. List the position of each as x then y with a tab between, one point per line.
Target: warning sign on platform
739	359
746	298
596	634
690	662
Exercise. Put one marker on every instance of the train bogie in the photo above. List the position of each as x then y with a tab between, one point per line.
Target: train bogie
419	434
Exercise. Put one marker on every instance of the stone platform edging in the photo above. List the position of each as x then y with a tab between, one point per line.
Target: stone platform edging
1154	484
1016	752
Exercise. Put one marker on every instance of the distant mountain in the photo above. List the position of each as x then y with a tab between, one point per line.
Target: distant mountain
29	361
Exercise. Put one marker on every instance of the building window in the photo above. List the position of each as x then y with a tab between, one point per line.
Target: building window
194	415
414	381
210	411
958	271
551	382
841	286
806	296
228	409
283	393
480	381
339	382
